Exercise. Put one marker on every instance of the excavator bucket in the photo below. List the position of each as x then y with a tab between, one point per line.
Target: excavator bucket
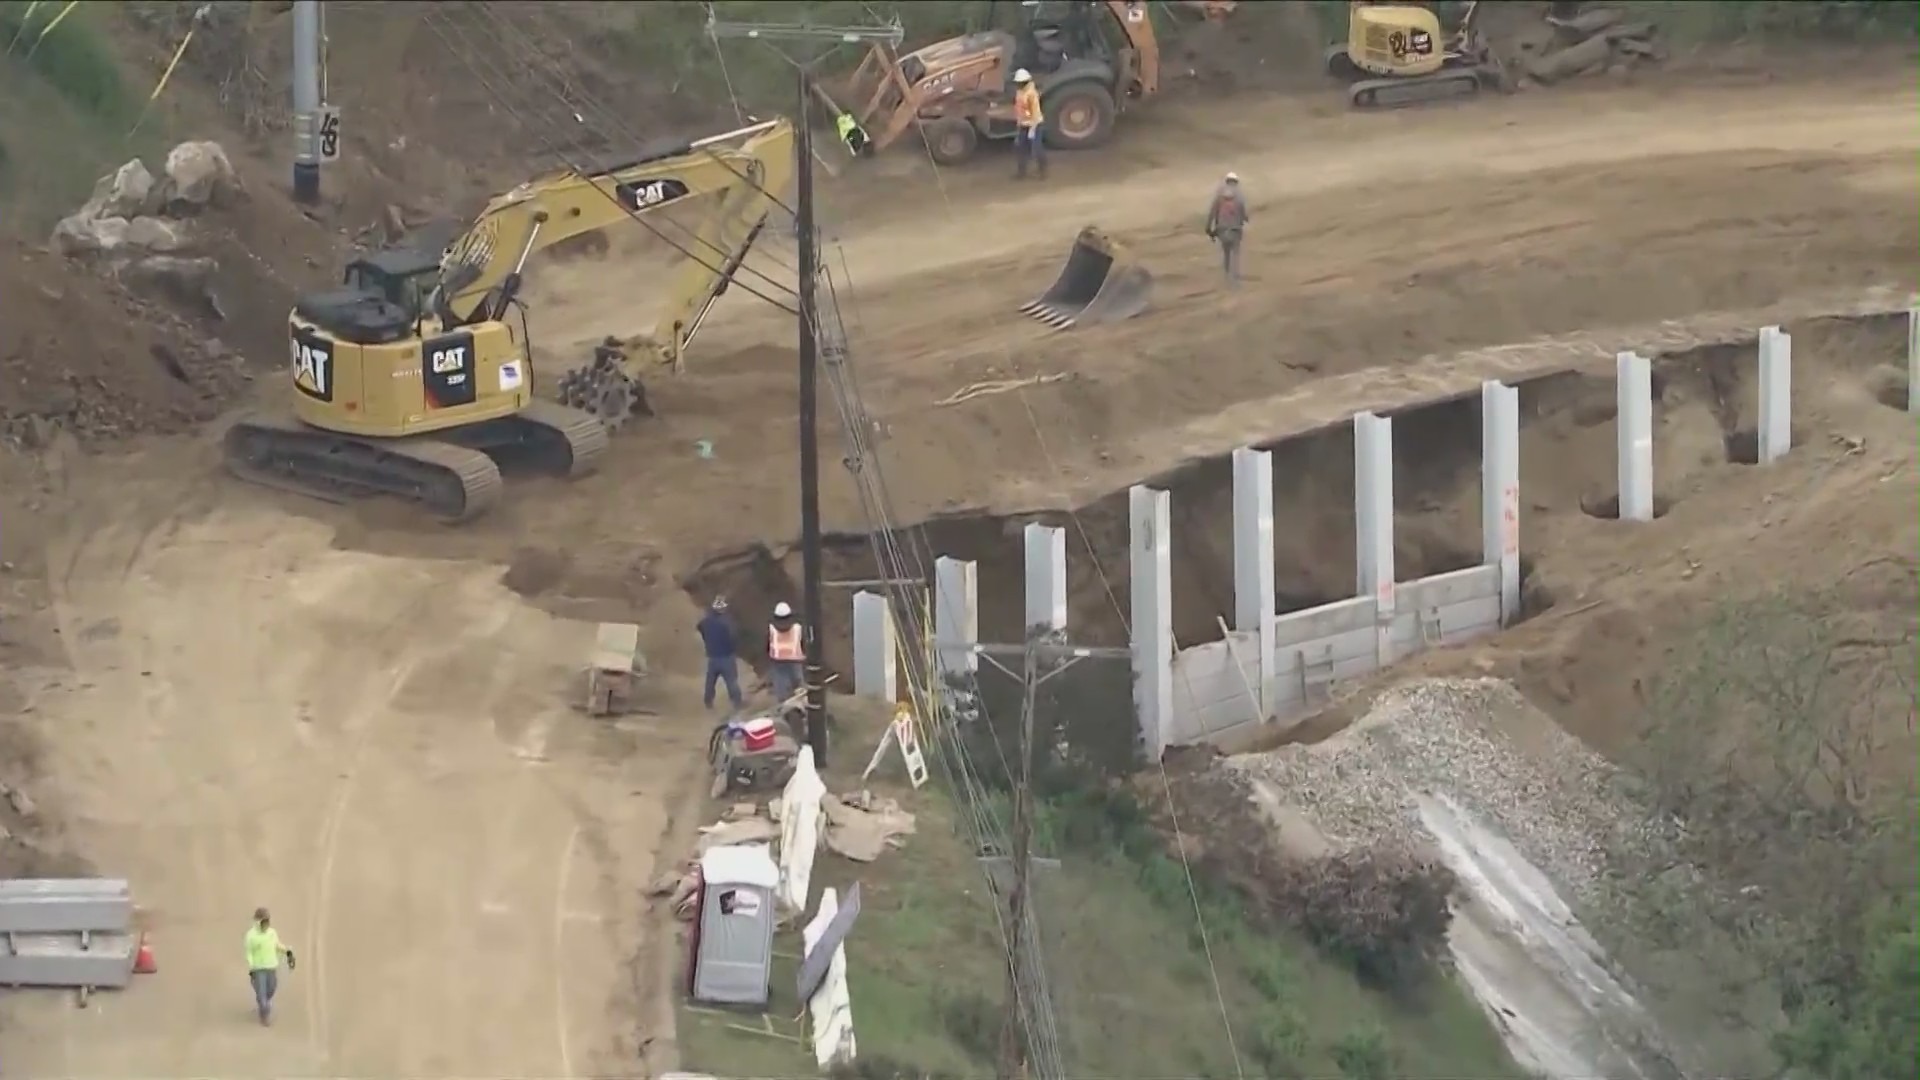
1100	283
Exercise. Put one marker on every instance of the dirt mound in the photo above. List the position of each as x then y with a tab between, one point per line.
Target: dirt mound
80	352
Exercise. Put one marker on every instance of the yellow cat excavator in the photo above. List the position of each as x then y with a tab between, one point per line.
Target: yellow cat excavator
409	380
1398	54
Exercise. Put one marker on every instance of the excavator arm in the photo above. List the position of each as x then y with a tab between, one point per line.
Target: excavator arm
738	175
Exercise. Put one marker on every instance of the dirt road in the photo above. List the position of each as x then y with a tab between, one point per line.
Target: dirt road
1377	240
380	751
349	718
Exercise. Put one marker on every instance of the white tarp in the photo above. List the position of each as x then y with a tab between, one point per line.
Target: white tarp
830	1011
800	819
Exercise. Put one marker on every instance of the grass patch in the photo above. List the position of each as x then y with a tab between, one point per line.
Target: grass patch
1709	21
1135	991
73	59
65	114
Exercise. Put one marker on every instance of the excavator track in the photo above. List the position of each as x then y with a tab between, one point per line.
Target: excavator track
454	482
1448	84
451	473
558	439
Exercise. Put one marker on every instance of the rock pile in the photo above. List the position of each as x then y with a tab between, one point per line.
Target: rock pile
143	226
1560	807
1594	41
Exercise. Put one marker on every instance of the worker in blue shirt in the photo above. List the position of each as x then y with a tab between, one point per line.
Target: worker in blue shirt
723	654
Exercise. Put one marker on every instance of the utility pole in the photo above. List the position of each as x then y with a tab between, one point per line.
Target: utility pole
306	101
811	607
1042	657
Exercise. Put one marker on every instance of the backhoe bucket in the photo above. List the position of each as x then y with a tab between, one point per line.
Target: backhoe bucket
1100	283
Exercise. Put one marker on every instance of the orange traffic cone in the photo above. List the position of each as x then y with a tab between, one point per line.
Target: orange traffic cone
143	961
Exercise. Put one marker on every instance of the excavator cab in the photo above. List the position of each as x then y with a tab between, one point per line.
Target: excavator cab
380	299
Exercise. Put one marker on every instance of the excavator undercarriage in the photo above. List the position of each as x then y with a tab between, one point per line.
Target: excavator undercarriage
455	475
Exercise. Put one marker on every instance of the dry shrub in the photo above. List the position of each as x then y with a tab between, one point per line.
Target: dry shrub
1381	910
1384	911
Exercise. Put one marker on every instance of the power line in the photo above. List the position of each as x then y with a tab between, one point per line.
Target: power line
1021	939
435	23
1032	1000
1019	930
555	82
1093	556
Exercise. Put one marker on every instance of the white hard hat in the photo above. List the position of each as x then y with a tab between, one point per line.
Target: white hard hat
781	610
719	603
1233	177
1023	75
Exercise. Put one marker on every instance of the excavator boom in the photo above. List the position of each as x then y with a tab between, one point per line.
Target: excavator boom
738	172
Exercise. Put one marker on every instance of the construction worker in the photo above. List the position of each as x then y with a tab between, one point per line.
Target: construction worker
1029	136
723	655
1227	219
264	952
850	133
786	655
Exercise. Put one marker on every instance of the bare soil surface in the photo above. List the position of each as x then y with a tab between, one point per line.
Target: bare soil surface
363	721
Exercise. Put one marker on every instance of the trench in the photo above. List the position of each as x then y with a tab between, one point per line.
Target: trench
1705	418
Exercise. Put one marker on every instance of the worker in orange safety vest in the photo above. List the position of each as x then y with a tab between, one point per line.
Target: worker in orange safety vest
786	654
1029	135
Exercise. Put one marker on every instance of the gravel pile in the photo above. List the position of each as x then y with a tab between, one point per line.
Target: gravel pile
1559	803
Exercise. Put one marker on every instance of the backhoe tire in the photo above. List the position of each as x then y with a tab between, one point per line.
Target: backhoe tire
1079	116
950	140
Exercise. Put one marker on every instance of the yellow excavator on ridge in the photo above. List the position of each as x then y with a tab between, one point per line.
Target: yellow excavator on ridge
410	379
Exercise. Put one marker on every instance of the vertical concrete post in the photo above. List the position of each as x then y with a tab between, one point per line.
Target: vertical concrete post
1150	528
1633	385
874	650
1373	522
1776	394
1913	360
956	616
1253	564
306	100
1500	490
1046	576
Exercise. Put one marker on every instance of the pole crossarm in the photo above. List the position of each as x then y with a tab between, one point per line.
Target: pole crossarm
892	33
1056	652
1059	656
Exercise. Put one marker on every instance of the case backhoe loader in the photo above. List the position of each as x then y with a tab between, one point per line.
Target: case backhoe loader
1397	54
1090	59
408	376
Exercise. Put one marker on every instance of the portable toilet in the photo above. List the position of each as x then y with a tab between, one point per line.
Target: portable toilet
732	959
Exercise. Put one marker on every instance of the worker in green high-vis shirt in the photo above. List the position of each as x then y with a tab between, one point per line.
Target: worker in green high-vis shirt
851	133
264	951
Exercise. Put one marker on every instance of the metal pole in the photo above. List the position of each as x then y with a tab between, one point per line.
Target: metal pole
306	101
808	272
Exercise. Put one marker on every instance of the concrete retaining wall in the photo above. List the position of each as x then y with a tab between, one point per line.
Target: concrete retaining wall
1277	669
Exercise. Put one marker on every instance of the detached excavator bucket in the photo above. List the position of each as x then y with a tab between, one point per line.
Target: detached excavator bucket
1100	283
